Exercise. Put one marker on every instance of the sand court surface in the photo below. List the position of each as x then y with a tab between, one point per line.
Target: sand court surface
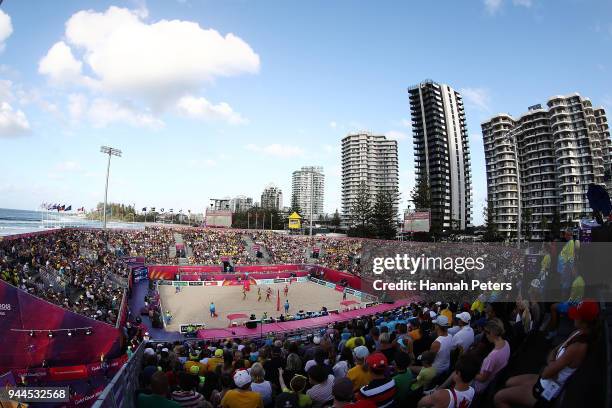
191	304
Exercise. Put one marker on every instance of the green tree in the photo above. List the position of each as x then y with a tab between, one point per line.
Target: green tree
361	214
384	215
491	233
335	221
295	207
555	225
526	222
421	195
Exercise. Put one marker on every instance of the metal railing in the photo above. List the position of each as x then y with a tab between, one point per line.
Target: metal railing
119	393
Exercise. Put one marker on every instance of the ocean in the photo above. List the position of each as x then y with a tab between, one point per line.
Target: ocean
23	221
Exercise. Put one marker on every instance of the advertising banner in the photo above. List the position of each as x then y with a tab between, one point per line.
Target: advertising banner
417	221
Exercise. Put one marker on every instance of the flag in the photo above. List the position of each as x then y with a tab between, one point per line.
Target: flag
180	211
152	209
189	211
162	210
69	208
144	209
171	210
277	300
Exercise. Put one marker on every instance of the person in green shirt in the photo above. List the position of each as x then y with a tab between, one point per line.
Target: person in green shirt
404	377
426	374
297	385
159	391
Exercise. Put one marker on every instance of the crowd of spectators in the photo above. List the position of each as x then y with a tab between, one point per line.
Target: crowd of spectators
213	246
71	268
425	355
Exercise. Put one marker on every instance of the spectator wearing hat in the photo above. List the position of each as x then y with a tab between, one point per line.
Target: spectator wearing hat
426	373
322	384
342	392
159	391
297	385
461	394
242	396
531	389
464	336
381	388
360	375
215	361
441	345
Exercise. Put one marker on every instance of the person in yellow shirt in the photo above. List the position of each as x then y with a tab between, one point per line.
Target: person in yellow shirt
242	397
446	312
215	361
360	375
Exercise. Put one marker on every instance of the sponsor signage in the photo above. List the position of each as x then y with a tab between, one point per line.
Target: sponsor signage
195	283
192	328
417	221
164	282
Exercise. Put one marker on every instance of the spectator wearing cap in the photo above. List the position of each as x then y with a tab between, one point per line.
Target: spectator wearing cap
360	375
464	337
215	361
461	394
297	385
530	389
403	377
441	345
381	388
426	373
260	385
242	396
159	391
342	392
322	384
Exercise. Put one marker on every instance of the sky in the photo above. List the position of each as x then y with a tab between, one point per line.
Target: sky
208	99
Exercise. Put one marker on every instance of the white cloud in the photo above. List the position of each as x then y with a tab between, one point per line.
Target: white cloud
13	122
200	108
333	124
523	3
492	6
60	65
406	123
103	112
6	29
276	150
477	97
158	61
396	135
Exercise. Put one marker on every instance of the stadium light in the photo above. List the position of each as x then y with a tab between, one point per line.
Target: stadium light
111	152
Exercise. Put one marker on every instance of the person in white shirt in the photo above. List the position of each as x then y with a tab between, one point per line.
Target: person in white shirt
465	336
442	345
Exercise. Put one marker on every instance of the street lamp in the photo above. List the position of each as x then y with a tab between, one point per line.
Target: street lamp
111	152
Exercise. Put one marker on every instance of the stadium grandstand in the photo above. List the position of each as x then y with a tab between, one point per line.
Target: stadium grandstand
176	317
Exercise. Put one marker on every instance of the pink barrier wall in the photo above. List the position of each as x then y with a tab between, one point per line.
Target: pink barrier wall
283	327
168	272
334	276
232	276
22	312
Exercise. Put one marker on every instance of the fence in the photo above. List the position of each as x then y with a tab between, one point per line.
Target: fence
119	393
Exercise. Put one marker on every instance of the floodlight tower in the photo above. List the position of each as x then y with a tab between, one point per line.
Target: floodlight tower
111	152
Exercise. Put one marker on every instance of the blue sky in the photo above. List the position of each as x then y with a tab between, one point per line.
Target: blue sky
211	99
